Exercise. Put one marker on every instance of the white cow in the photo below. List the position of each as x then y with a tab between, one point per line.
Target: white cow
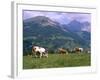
39	50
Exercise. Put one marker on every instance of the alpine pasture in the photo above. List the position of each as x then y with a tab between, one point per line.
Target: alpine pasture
57	61
69	31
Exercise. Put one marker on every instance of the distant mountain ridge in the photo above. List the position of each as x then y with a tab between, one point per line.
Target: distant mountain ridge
43	31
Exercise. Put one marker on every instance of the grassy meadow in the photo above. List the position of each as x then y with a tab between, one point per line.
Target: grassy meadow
57	60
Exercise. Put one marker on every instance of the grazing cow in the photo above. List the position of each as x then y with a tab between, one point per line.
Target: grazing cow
78	50
39	51
88	51
62	51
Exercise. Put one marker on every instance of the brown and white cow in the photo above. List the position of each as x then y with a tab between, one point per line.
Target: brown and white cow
78	50
39	51
62	51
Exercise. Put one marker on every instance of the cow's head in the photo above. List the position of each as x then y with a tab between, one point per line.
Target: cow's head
34	49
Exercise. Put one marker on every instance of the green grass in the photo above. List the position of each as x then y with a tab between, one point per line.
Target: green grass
57	60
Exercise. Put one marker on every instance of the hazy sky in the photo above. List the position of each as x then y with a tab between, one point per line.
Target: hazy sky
61	17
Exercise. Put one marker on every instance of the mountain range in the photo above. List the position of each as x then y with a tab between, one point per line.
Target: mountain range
45	32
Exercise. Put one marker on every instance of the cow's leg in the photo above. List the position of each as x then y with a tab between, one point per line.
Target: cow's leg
33	53
46	55
66	52
40	54
43	54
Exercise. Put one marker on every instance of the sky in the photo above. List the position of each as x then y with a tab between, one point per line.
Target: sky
61	17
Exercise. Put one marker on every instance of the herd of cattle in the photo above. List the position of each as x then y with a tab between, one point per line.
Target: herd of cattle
40	52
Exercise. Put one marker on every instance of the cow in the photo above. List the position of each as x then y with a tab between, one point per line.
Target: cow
62	51
78	50
39	52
